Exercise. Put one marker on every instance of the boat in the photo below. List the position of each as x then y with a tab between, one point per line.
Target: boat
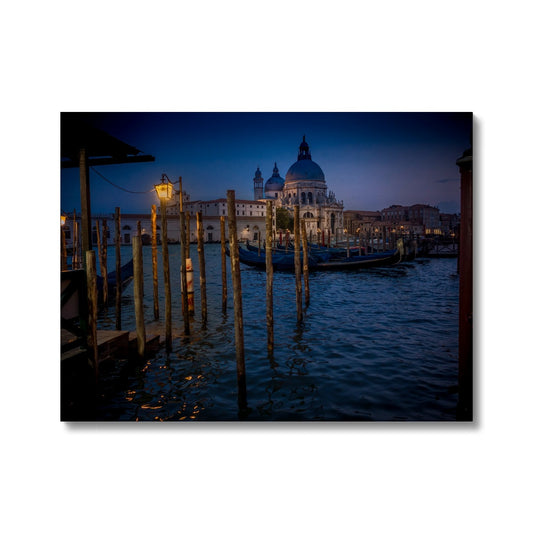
379	259
316	255
285	262
126	276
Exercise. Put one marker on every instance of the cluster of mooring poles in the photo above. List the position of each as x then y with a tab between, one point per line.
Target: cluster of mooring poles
165	192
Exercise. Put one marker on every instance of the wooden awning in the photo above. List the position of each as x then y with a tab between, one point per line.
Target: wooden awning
101	147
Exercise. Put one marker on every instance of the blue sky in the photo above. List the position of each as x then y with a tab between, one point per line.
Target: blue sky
370	160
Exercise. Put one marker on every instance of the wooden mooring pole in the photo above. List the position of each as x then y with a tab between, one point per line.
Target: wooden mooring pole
118	289
297	264
166	276
138	294
269	279
237	299
103	263
92	300
103	266
184	253
75	246
63	250
154	262
305	262
188	235
201	266
223	263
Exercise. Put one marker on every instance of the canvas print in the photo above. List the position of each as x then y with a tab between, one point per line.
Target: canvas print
292	267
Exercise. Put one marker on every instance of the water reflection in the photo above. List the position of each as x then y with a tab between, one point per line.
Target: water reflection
379	344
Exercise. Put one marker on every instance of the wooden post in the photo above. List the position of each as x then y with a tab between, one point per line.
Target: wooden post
305	262
92	300
237	299
269	279
99	244
223	263
63	250
347	244
201	265
183	246
118	289
85	203
259	244
138	294
297	264
75	246
166	276
154	262
188	235
103	264
465	403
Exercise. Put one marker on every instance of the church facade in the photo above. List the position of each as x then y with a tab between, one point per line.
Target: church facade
304	185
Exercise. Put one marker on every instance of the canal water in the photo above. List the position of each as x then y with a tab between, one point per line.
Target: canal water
375	345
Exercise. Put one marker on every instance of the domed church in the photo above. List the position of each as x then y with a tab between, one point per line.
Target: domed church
305	185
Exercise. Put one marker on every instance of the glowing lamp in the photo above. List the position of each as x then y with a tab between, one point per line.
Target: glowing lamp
63	220
164	189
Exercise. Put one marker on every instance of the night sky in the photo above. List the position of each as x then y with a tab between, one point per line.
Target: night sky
370	160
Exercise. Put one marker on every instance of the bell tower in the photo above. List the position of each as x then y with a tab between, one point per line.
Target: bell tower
258	185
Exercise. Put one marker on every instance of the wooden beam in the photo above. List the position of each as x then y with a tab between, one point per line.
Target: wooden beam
100	161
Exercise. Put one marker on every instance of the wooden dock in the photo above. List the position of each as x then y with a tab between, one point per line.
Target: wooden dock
111	343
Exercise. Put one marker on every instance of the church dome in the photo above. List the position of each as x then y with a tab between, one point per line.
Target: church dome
275	182
304	169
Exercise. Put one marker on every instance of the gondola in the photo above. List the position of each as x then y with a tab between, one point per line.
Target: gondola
286	261
126	276
316	255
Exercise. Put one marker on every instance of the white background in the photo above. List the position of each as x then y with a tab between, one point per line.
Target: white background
275	56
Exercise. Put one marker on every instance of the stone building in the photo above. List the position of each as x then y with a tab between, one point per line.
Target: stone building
305	185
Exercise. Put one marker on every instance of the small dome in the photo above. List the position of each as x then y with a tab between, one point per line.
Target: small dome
275	182
258	173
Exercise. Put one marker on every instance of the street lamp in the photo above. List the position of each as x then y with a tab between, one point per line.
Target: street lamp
165	189
164	192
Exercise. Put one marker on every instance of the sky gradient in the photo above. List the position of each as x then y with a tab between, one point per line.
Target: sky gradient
370	160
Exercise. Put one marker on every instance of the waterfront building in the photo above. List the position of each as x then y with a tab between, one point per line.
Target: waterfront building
354	219
305	185
421	219
250	216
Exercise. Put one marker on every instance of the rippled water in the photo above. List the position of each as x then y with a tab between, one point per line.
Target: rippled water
376	344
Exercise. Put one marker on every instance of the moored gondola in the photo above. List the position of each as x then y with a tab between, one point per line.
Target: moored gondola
285	262
126	276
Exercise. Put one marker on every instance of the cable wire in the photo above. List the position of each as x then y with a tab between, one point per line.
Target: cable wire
118	186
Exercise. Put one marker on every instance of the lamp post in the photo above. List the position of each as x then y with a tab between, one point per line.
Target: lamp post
164	192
